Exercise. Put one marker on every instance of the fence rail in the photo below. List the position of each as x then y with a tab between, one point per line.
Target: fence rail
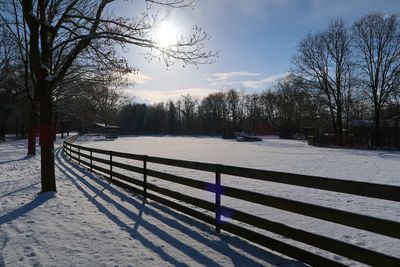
157	193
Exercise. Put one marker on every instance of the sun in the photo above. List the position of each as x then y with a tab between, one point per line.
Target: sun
166	35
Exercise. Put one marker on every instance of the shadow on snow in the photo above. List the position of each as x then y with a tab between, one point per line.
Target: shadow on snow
223	245
35	203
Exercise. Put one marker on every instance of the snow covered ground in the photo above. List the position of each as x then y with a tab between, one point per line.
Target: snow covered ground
92	223
287	156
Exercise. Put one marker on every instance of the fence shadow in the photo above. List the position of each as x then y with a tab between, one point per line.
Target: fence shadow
90	185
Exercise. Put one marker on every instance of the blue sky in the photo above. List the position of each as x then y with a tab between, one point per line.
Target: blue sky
256	40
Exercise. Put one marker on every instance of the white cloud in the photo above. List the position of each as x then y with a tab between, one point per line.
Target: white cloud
251	84
275	78
223	79
138	78
156	96
254	84
223	76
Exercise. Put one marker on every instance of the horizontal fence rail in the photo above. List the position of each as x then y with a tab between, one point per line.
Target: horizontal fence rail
87	157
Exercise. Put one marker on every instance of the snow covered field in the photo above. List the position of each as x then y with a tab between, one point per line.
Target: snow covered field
92	223
287	156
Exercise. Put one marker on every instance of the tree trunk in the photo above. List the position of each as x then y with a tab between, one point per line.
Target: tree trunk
3	131
62	128
55	125
339	124
33	121
48	178
377	136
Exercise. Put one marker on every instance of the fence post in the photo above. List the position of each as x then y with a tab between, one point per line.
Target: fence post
217	198
70	151
111	165
91	163
145	176
79	156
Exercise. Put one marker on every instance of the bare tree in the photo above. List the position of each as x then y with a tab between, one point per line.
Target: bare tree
233	108
188	110
11	17
58	32
377	44
213	112
322	61
268	102
9	78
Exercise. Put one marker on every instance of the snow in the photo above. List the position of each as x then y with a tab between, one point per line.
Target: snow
280	155
92	223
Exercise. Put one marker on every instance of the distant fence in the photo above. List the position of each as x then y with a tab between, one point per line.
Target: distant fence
377	225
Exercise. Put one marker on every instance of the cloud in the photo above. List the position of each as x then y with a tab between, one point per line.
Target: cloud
156	96
138	78
251	84
263	82
223	76
223	79
275	78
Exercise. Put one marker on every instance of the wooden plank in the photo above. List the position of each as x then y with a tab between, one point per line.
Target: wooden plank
145	176
127	167
329	244
95	150
85	155
218	199
103	170
100	151
104	161
279	246
184	209
74	158
127	186
182	180
182	197
128	155
380	226
373	190
128	179
72	145
183	164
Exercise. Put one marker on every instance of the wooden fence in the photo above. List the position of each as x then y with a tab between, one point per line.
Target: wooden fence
377	225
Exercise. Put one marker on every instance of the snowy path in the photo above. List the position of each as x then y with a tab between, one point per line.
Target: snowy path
92	223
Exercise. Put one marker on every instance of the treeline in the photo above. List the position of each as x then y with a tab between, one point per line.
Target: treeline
343	88
286	107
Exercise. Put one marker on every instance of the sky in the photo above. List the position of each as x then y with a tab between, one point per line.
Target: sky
255	39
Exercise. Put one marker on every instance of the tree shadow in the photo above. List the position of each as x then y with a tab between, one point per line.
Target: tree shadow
15	214
19	190
14	160
223	243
